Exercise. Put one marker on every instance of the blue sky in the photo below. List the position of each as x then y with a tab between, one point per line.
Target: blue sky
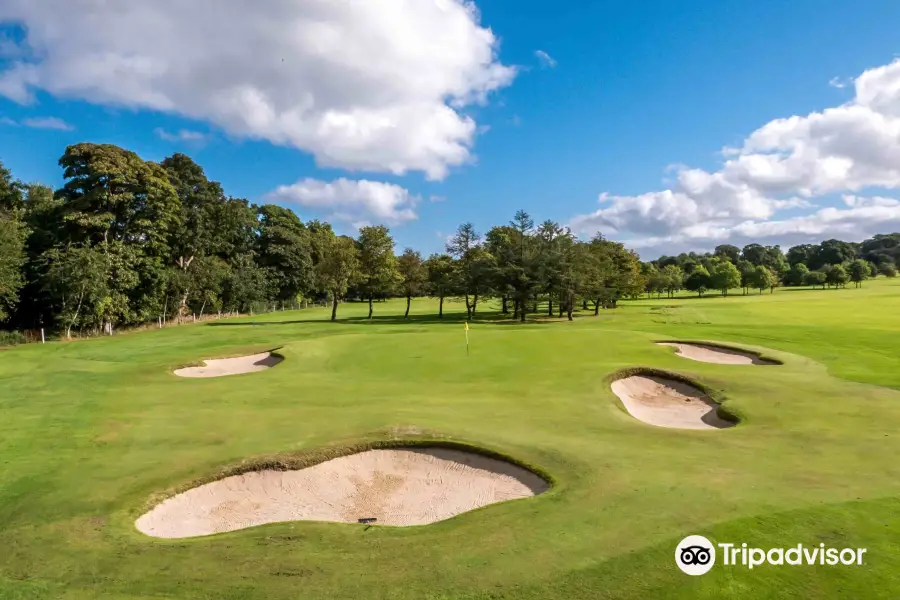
639	96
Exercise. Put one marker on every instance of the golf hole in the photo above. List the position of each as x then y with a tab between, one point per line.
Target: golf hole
713	353
220	367
394	486
667	401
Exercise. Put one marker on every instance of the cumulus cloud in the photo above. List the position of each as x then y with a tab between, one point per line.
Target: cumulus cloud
182	135
361	85
358	202
545	59
789	163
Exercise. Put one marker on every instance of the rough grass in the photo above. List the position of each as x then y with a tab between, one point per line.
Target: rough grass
91	430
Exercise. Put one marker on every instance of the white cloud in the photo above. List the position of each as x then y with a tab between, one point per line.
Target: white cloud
182	135
39	123
785	164
545	59
358	202
837	82
359	84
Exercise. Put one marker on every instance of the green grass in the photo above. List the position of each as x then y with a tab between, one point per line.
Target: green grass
92	431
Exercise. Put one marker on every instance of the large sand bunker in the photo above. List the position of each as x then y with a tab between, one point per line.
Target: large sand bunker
394	486
721	355
232	366
668	403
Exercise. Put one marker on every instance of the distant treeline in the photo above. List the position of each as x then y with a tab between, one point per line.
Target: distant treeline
126	242
832	263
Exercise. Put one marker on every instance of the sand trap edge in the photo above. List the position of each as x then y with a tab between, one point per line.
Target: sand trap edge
202	362
767	360
301	460
723	412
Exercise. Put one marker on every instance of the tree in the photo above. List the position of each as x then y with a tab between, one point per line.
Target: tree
725	276
858	271
338	266
887	269
76	279
801	254
12	259
832	252
728	252
796	275
442	278
464	246
414	275
377	263
674	279
698	280
814	278
835	275
284	251
746	269
762	278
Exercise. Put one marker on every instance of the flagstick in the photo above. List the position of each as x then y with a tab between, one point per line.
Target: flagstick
467	339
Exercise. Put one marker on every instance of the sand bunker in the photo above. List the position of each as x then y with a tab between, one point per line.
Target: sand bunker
395	486
668	403
232	366
716	354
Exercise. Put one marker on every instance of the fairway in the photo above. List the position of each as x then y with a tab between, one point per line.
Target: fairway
95	433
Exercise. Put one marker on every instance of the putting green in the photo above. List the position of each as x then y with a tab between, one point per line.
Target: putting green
94	433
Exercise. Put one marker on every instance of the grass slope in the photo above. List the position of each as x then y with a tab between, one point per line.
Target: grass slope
91	432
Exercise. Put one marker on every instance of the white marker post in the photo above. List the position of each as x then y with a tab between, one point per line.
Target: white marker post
467	338
42	336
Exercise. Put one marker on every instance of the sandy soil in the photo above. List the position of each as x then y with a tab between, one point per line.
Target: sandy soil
231	366
714	354
397	487
667	403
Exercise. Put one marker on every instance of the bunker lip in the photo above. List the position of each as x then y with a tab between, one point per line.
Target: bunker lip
236	365
669	400
721	354
409	482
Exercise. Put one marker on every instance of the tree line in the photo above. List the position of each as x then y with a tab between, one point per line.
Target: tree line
832	263
126	242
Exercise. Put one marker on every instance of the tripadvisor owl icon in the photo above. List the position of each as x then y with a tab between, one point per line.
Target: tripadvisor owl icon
695	555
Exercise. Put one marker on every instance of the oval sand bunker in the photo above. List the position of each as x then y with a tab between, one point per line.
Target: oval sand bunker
232	366
668	403
394	486
716	354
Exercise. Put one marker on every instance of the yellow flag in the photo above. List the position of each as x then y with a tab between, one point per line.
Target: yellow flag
467	325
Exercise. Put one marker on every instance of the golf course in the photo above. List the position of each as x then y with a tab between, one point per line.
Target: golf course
95	433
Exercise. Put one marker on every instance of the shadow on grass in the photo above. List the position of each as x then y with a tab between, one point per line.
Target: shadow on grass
448	319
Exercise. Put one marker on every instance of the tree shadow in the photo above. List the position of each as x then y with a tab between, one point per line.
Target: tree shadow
455	319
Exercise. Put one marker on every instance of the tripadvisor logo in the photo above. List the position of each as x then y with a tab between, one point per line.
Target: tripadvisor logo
696	555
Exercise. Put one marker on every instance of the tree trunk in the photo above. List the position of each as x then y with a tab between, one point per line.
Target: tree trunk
523	310
584	305
596	307
370	306
570	305
408	300
75	317
468	308
441	308
535	303
474	304
549	305
505	307
516	311
561	309
334	303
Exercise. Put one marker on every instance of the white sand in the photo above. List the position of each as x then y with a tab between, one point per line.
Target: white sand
667	403
231	366
714	354
397	487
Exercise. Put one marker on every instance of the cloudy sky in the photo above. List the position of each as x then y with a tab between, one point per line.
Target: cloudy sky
668	126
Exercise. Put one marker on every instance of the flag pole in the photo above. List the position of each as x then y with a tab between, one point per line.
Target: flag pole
467	338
